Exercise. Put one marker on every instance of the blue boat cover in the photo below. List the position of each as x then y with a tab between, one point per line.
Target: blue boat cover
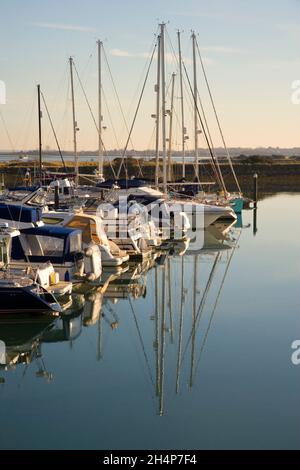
17	251
30	189
51	231
20	213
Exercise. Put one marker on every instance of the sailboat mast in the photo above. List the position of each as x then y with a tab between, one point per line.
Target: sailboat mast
40	131
163	88
171	129
195	105
157	89
182	105
74	121
100	146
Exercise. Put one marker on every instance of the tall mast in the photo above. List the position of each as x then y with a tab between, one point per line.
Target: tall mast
195	105
171	129
74	121
163	88
100	146
40	132
182	105
157	89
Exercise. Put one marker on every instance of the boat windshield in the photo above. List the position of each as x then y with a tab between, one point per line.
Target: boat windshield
83	224
92	229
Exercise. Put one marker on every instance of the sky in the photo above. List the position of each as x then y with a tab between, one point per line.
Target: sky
251	52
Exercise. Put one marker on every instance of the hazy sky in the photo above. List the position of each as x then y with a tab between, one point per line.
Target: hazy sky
251	51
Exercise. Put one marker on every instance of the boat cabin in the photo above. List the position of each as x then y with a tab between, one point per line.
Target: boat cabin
56	244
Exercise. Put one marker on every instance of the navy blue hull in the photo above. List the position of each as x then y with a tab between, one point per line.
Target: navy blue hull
25	300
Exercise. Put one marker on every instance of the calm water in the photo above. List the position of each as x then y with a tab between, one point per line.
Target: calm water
195	353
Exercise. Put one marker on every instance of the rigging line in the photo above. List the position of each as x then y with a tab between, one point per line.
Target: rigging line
116	93
217	117
210	139
215	305
113	127
110	119
7	133
26	123
93	117
219	177
63	120
87	102
86	68
137	110
141	341
201	306
54	133
143	71
55	101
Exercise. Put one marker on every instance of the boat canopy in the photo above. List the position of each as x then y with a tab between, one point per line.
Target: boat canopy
20	213
54	244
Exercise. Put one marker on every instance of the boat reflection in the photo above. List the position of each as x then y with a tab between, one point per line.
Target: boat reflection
20	343
184	292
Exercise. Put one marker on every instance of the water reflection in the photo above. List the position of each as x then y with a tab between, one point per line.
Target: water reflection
186	283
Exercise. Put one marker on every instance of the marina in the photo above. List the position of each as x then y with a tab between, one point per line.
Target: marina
166	342
149	286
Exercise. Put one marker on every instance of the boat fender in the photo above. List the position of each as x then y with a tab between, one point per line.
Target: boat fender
91	277
88	252
67	276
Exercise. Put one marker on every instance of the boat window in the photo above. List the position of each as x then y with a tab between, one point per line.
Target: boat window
95	236
82	224
75	243
52	220
3	252
2	353
41	245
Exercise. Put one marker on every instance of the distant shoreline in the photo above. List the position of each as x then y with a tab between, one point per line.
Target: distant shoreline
274	174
